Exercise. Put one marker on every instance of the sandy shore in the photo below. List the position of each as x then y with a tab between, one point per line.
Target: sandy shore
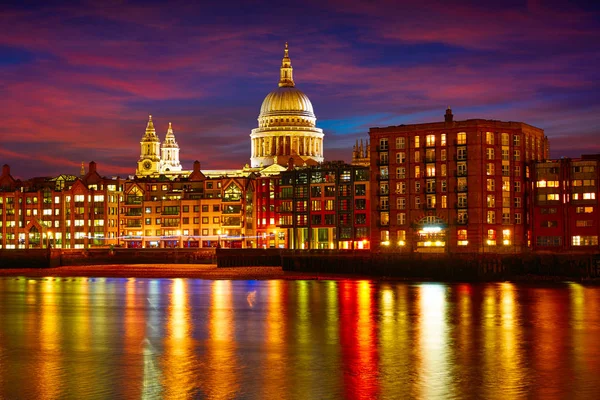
197	271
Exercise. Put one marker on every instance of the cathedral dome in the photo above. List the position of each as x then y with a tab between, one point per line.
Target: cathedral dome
286	125
286	101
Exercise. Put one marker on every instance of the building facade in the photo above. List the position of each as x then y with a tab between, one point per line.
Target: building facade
453	186
66	211
325	207
564	205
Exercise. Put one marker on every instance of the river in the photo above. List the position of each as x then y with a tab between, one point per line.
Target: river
112	338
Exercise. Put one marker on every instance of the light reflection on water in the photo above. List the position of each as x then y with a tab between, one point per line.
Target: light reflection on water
138	338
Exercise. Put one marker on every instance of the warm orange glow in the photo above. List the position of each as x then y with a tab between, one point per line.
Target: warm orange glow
49	377
221	377
179	346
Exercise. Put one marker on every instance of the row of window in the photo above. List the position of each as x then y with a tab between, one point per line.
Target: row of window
574	196
461	139
554	241
327	219
462	218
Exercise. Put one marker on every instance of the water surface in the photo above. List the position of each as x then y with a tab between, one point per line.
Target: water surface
76	338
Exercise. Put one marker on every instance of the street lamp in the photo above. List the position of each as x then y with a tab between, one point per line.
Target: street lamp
219	238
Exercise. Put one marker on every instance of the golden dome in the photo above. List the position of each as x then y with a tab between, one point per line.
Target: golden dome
286	101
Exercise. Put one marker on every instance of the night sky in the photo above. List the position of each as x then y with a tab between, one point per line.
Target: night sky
77	82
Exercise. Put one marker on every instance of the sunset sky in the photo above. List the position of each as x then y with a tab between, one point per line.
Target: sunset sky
77	82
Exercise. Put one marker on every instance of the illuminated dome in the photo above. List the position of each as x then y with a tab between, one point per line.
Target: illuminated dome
286	101
286	125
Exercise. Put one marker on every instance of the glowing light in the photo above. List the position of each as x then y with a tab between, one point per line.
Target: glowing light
386	243
401	243
431	229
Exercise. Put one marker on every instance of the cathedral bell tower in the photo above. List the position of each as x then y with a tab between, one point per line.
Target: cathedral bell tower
170	153
149	162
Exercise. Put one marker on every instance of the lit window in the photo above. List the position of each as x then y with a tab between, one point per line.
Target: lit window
430	140
400	143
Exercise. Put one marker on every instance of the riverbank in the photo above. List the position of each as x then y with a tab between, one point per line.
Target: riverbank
211	272
169	271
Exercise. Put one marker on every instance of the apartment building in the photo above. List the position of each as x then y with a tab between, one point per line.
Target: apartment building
65	211
452	186
325	206
564	205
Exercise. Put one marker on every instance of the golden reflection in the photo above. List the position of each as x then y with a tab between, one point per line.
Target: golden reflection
510	353
178	377
331	324
133	317
303	326
80	335
222	380
393	340
276	366
432	331
49	377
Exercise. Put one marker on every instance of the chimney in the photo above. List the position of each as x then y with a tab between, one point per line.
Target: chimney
449	117
5	170
92	167
196	166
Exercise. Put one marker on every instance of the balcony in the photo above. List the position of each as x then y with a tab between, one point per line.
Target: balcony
134	200
460	142
382	148
382	177
460	189
460	157
461	205
429	159
430	190
460	173
383	162
385	207
134	224
132	213
383	192
462	221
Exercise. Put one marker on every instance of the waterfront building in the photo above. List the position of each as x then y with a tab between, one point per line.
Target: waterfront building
325	206
565	214
203	209
65	211
286	125
453	186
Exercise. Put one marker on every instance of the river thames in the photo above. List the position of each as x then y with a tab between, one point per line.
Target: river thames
63	338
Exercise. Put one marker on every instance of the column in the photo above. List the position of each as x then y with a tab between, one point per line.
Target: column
253	148
304	143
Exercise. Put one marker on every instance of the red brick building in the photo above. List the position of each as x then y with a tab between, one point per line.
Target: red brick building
565	215
325	206
452	186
